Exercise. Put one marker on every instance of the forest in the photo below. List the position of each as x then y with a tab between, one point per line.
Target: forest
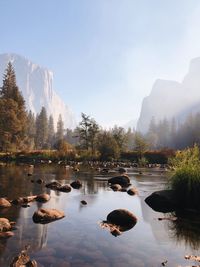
22	130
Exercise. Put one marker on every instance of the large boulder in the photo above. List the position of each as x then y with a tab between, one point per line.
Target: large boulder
122	217
122	180
4	203
47	215
162	201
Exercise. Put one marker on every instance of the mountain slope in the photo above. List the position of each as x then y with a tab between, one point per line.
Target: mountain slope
170	99
36	85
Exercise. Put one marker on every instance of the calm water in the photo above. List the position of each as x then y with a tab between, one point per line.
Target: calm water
78	240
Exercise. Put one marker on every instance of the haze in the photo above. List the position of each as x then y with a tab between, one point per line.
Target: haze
105	55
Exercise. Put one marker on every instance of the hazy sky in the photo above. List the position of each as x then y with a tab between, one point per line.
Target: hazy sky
105	54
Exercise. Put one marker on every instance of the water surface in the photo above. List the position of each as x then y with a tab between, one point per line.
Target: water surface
78	240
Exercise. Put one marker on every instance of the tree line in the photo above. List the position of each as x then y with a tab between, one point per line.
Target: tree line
20	129
173	133
23	130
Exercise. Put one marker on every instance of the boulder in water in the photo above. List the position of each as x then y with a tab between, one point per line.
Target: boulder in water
47	215
76	184
122	180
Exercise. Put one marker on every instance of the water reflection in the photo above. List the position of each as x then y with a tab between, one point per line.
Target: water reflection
186	229
77	240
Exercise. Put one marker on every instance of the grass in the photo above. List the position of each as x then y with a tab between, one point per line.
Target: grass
186	177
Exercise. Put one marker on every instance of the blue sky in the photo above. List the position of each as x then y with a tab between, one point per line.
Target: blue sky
105	54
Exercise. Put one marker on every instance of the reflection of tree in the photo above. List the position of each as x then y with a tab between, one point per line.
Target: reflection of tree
186	229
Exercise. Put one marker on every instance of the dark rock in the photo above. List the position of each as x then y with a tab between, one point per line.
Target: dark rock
162	201
43	198
40	181
122	217
54	185
121	170
122	180
25	205
116	187
105	170
83	202
132	191
65	188
76	184
47	215
123	189
4	203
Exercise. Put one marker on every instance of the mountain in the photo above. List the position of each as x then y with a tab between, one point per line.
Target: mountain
130	124
170	99
36	85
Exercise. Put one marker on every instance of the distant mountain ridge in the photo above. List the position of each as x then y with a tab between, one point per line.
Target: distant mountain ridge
170	99
36	85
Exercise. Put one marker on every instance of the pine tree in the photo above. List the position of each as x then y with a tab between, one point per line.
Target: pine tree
51	132
31	130
13	114
41	129
60	129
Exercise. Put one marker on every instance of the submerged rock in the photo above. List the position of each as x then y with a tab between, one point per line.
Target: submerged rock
4	203
23	260
76	184
162	201
47	215
23	200
121	217
122	180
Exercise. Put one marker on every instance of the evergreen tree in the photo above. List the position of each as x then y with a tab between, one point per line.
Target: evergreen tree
51	132
13	114
60	129
31	130
41	129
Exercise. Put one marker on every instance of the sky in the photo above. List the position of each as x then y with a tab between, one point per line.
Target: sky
105	54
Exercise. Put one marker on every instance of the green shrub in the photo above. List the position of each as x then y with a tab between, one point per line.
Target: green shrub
186	177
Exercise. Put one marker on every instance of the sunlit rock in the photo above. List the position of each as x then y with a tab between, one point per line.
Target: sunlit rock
47	215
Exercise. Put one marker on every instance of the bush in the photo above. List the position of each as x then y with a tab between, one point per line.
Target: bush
186	178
